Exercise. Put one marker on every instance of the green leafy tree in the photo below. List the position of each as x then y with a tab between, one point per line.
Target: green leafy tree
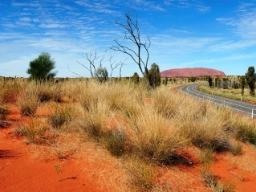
41	67
101	74
192	79
165	81
154	74
135	78
242	79
210	81
251	78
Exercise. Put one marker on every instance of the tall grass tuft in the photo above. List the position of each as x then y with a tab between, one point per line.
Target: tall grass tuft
61	116
48	91
33	130
93	120
153	138
28	101
142	174
244	129
115	141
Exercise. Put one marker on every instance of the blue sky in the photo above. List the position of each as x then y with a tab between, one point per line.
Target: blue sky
219	34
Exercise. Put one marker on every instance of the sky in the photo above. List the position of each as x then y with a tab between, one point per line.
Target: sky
218	34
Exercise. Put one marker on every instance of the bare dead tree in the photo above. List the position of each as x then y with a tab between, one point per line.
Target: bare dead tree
91	57
121	63
113	64
132	34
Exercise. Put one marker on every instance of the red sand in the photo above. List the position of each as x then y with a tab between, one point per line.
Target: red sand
20	172
92	170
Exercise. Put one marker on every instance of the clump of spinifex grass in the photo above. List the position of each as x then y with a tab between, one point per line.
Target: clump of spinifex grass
61	116
152	137
48	91
33	130
165	103
243	129
115	141
93	121
200	123
142	174
28	101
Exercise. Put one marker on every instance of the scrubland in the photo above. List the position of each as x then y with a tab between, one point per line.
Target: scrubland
160	140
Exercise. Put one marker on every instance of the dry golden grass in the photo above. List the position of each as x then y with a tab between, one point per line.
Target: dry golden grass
34	129
114	119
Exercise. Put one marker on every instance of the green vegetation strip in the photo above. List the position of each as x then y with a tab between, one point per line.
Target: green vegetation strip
220	93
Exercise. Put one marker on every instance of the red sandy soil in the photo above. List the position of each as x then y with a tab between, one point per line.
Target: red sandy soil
33	167
192	72
19	171
23	167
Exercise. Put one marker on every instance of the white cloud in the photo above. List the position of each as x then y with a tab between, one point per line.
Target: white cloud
244	22
25	19
52	26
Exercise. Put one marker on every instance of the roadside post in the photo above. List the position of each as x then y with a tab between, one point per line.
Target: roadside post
252	113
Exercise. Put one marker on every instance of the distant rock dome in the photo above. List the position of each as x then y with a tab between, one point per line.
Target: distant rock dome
192	72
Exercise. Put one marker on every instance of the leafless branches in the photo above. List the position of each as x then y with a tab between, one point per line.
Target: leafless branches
92	57
132	34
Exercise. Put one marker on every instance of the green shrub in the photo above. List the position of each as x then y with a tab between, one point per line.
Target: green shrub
61	116
246	133
115	142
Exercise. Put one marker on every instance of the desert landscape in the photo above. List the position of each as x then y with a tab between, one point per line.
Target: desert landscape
127	96
83	135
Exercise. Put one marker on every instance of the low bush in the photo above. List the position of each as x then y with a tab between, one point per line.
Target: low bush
115	141
61	116
28	104
142	174
48	92
33	130
152	137
93	121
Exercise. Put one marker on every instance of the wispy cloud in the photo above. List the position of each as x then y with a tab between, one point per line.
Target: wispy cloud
244	22
185	4
149	5
25	19
52	26
98	6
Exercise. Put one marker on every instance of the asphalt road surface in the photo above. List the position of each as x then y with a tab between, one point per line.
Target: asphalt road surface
234	105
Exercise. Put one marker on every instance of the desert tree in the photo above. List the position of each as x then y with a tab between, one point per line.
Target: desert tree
165	81
242	79
132	34
101	74
135	78
154	76
209	79
41	68
251	78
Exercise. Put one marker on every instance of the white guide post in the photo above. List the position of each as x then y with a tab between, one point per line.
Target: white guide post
252	113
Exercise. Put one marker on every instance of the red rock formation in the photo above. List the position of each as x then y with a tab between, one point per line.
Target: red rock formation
192	72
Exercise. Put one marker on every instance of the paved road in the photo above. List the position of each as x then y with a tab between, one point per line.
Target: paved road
238	106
